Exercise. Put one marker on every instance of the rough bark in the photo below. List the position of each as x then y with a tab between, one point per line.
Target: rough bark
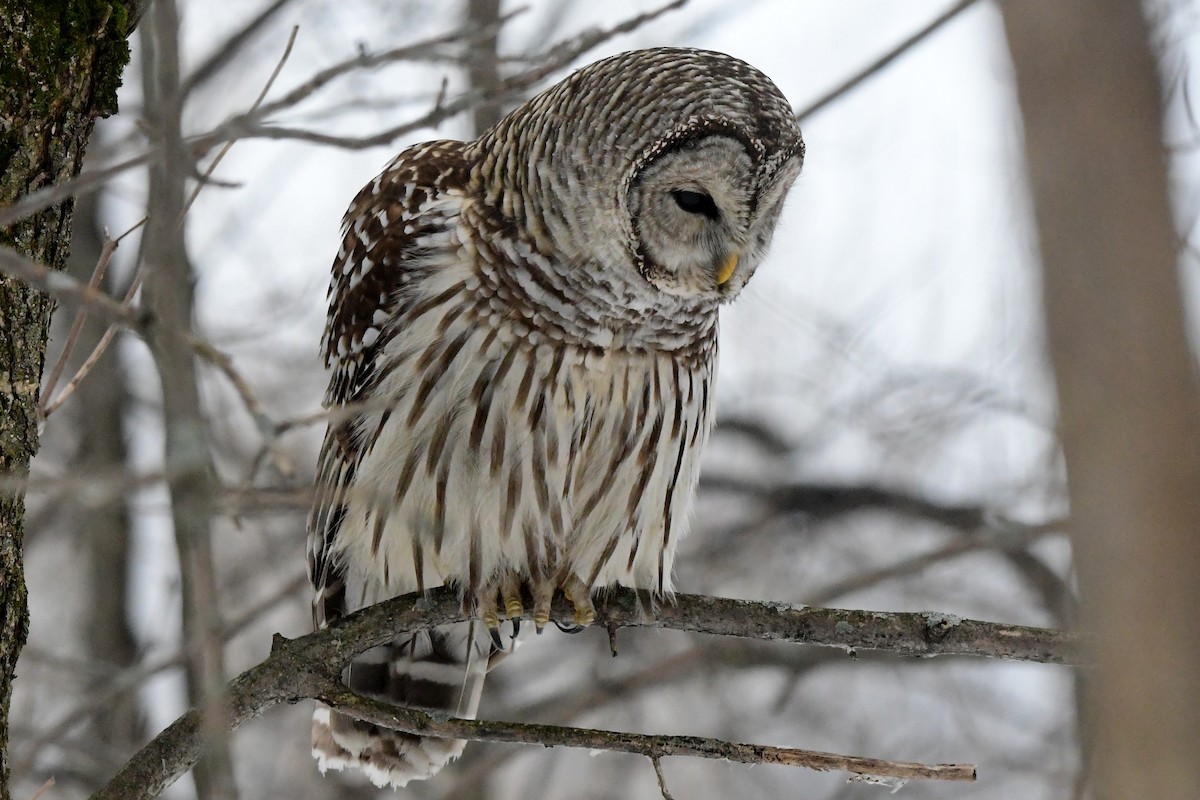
60	66
1129	400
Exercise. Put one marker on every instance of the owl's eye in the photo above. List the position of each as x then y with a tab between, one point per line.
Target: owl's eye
696	203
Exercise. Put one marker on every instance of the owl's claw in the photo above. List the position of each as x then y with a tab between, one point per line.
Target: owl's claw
510	591
488	611
543	593
497	642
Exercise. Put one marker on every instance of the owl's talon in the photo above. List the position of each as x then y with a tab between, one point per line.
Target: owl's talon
488	611
581	599
543	594
513	608
510	591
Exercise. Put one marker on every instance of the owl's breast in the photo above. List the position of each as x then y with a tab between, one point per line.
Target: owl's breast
638	422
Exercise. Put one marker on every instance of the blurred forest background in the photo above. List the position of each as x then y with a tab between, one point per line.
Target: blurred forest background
887	412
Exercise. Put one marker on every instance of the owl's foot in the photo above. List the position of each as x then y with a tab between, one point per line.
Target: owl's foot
508	589
485	604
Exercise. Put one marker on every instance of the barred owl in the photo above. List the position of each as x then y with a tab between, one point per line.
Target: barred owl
522	338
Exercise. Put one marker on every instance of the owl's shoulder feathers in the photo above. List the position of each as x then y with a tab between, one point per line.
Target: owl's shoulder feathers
390	225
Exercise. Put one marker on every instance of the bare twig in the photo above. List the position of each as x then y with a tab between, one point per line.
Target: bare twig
106	252
877	66
230	48
101	346
662	779
1014	538
309	666
45	787
63	287
232	128
287	51
266	426
42	199
429	49
555	59
653	746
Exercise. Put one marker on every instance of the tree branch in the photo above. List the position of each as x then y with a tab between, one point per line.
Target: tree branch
310	665
879	64
655	746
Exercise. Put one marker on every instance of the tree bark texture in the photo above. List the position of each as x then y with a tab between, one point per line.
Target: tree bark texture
60	66
1129	400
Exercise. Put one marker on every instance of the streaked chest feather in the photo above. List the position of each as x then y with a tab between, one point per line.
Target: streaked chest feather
497	446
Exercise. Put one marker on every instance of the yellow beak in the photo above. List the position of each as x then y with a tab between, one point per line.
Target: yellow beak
727	269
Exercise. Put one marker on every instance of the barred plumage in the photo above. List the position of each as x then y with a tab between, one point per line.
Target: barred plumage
522	336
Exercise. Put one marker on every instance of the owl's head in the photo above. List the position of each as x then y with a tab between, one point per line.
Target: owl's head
663	171
703	207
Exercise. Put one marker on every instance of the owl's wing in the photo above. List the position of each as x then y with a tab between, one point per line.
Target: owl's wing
384	234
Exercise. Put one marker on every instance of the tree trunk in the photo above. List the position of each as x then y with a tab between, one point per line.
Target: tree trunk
100	404
60	66
168	294
483	62
1129	400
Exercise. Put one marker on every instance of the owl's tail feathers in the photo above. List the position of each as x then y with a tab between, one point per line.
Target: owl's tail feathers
441	669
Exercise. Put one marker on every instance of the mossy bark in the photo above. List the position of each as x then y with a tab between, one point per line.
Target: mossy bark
60	65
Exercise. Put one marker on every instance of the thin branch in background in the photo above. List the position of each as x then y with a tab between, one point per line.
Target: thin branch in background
877	66
87	181
106	251
1015	538
45	787
67	289
429	49
266	426
101	346
42	199
230	48
63	287
555	58
207	174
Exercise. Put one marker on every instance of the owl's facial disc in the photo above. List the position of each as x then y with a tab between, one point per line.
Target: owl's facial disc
692	214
